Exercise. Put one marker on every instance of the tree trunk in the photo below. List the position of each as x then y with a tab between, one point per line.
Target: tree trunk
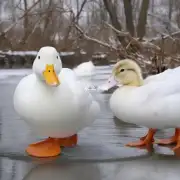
113	16
170	14
141	27
48	17
129	16
26	21
13	10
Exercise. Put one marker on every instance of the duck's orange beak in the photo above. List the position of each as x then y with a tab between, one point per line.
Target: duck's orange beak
50	76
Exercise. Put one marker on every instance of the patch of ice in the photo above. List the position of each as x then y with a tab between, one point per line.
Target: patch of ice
17	72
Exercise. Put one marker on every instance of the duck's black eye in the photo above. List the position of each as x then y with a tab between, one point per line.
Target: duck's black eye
49	71
122	70
57	57
38	57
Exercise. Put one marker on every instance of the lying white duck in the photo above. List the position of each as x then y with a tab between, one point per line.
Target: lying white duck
85	69
85	72
154	104
54	103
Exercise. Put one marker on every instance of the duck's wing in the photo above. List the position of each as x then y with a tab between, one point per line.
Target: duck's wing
168	85
76	84
67	75
72	76
158	77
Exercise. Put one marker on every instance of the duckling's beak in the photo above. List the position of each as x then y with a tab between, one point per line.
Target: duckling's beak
50	76
108	85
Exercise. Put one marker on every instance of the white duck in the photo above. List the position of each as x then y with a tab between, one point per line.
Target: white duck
154	102
85	69
54	103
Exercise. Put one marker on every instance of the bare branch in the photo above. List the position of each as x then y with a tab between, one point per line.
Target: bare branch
140	44
120	33
119	52
80	10
150	45
93	39
75	19
165	22
35	26
14	24
166	36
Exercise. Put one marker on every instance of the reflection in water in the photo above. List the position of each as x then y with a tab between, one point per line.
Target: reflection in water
64	172
13	170
149	170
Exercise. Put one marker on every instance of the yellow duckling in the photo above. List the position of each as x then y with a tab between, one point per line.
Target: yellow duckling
154	103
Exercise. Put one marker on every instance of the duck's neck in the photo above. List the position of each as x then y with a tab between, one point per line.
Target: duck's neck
41	83
137	81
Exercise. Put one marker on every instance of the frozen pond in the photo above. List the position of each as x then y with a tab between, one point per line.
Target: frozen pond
100	154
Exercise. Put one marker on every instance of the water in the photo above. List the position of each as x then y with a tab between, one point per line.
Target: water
100	154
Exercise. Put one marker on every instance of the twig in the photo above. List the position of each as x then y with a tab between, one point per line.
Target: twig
94	40
35	26
140	44
165	37
164	21
120	33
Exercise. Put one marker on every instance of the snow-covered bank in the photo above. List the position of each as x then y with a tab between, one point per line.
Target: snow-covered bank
24	59
31	53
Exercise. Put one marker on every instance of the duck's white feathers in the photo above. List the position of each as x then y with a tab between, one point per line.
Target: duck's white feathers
55	112
161	76
85	69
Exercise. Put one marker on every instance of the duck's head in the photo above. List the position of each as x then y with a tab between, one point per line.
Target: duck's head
48	65
125	73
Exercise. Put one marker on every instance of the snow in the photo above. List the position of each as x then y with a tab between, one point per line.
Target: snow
103	55
32	53
83	52
66	53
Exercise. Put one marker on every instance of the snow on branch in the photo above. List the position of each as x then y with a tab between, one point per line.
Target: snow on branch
140	44
119	50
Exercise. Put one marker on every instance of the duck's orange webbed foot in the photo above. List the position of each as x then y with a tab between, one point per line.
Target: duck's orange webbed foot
68	141
47	148
144	141
168	141
176	149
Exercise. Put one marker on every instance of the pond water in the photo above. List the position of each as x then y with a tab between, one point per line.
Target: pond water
100	154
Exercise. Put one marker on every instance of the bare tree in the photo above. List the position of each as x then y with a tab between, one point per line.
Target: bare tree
26	22
171	3
141	27
129	16
111	8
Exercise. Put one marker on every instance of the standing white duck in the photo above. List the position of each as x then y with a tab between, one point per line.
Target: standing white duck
153	103
54	103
